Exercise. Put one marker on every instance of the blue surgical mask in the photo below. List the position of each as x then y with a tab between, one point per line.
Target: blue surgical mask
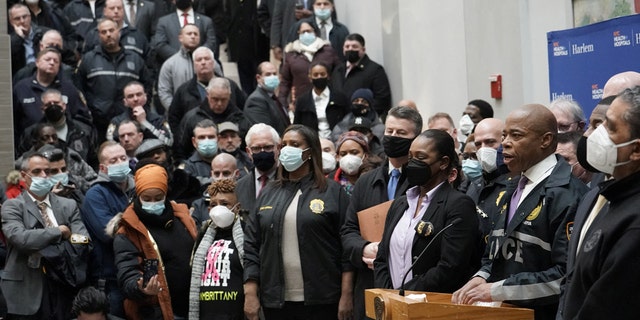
291	158
62	177
155	208
118	172
271	83
472	169
40	186
307	38
208	147
322	14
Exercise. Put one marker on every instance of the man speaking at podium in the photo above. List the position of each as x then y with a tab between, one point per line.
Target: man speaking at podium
525	259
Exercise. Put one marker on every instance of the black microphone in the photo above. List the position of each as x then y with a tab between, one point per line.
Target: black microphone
455	221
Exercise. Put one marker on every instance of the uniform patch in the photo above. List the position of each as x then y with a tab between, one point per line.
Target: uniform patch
592	241
131	65
481	213
316	206
535	212
131	40
499	197
569	230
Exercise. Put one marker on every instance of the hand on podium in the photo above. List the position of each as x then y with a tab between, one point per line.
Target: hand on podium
477	289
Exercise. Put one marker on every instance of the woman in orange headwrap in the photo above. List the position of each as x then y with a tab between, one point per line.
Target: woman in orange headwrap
154	232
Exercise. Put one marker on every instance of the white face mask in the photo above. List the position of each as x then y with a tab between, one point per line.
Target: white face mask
488	159
602	153
350	164
328	162
222	217
466	125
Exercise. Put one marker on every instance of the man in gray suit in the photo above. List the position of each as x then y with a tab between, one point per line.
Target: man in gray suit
32	222
166	42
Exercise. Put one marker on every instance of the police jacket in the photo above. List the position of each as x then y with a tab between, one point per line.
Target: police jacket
527	258
319	217
81	137
103	78
131	39
484	193
81	17
27	106
603	282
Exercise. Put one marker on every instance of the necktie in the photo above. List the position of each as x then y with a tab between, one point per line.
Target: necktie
283	111
323	30
393	184
45	216
515	198
185	20
263	183
132	13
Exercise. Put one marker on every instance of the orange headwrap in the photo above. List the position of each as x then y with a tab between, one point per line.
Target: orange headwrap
149	177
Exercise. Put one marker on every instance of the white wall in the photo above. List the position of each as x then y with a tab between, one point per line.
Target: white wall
441	53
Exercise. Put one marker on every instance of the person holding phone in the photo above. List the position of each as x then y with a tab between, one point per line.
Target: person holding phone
150	229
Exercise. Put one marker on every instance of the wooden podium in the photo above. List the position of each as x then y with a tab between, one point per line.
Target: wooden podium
386	304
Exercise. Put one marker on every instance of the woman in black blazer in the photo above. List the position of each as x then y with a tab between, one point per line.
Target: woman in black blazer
453	256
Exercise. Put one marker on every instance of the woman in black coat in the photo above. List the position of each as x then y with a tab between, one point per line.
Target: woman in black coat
415	218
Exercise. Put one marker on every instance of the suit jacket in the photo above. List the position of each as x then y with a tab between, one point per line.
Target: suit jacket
246	191
145	17
165	41
283	18
452	258
261	108
306	109
22	225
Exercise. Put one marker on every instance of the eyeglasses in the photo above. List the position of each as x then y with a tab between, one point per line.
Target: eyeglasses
256	149
469	155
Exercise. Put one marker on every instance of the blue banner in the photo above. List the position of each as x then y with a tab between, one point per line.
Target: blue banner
581	60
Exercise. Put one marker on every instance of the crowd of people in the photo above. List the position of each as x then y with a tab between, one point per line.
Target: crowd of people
150	186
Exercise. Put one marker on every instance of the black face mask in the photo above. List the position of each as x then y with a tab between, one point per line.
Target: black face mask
418	172
320	83
395	147
581	154
264	161
183	4
352	56
359	110
54	113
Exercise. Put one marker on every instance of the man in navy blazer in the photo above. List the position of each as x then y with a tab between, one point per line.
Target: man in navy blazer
28	232
165	41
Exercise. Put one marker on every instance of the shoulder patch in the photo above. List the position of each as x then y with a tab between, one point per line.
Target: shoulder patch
499	197
535	212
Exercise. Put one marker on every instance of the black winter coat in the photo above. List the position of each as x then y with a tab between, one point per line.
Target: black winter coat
319	217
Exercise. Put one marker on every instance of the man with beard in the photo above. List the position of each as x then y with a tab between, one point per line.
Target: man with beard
384	183
230	142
